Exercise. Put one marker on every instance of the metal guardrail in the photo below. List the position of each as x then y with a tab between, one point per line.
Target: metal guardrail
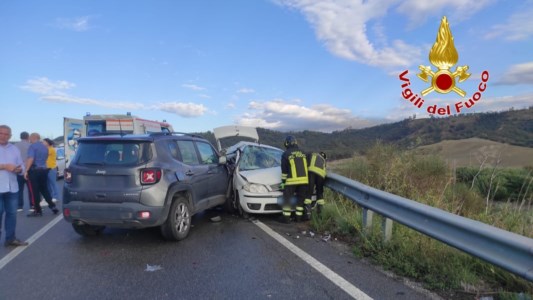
505	249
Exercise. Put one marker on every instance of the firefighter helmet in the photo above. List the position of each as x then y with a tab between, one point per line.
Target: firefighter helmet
323	154
290	141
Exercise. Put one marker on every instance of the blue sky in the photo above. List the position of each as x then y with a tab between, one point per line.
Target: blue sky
280	64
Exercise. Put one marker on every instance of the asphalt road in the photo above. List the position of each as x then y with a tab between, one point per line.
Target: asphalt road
231	259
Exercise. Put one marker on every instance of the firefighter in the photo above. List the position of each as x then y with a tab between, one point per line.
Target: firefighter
317	177
293	179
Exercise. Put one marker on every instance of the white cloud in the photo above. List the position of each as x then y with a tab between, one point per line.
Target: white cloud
518	27
252	121
87	101
193	87
186	110
518	74
54	91
245	91
230	105
284	115
45	86
406	109
75	24
417	11
342	26
503	103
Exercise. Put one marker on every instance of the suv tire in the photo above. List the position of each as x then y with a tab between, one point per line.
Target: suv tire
178	222
88	230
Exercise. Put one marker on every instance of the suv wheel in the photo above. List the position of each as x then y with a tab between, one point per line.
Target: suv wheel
87	230
178	223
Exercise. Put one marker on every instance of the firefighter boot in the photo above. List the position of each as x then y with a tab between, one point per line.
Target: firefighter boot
286	217
299	213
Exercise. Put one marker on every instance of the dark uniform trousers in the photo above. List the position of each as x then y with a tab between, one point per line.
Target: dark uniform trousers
38	178
316	182
288	193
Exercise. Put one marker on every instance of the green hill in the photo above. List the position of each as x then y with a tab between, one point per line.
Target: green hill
514	127
474	151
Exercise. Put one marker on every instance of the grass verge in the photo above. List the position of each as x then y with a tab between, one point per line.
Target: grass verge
439	267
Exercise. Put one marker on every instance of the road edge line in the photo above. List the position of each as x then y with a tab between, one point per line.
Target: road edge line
15	252
342	283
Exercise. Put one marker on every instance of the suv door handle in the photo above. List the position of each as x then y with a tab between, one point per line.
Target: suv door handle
189	173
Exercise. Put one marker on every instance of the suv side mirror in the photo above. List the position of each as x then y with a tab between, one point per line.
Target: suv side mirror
222	160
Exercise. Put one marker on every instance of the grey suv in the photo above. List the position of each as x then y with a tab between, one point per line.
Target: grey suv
139	181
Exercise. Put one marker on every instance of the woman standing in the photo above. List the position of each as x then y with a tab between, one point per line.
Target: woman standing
51	164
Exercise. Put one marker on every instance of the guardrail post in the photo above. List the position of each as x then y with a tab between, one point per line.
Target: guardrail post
367	220
386	228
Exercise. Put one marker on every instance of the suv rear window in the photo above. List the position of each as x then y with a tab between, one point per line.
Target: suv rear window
113	153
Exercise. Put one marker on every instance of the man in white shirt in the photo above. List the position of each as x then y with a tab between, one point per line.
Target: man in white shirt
11	164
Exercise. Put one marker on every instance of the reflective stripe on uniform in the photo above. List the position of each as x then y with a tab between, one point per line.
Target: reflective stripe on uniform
286	211
308	201
318	165
299	211
320	202
298	165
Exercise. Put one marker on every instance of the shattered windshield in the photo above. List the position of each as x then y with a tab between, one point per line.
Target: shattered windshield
256	157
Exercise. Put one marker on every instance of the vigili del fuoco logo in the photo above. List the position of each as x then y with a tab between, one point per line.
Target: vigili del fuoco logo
444	80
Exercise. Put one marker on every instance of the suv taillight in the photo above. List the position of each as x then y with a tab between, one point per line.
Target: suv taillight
67	176
150	176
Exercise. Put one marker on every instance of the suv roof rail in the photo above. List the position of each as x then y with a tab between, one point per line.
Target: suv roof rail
174	133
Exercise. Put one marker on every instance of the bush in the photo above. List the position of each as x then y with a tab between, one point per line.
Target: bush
507	184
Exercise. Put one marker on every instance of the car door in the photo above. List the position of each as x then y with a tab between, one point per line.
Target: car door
218	175
73	129
196	173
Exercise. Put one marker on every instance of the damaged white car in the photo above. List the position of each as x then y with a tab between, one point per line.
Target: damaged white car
254	186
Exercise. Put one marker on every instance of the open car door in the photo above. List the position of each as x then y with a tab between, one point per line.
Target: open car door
234	130
73	129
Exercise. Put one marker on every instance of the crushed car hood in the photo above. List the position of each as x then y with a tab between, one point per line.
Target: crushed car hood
268	176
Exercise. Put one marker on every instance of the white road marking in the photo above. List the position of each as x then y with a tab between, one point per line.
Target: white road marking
15	252
327	272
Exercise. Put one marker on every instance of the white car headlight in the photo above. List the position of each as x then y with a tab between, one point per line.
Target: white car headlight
255	188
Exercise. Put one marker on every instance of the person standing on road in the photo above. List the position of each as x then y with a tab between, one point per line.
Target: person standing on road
293	179
317	177
51	164
37	175
11	164
23	147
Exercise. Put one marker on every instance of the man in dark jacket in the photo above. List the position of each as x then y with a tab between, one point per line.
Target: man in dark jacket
37	175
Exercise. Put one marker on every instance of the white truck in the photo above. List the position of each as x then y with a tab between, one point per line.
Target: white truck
92	125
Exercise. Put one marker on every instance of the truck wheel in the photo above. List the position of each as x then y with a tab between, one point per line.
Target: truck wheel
178	222
88	230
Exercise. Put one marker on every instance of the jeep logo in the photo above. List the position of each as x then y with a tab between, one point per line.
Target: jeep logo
100	172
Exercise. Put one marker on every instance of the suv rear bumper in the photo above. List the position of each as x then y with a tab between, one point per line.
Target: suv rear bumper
118	215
